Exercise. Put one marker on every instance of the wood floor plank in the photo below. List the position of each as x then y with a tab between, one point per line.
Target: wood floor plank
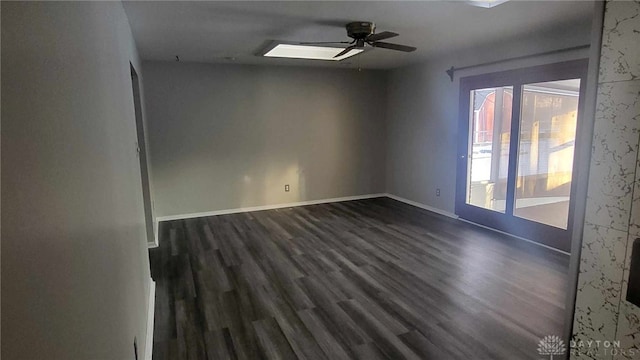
273	343
369	351
242	334
428	350
383	338
323	335
370	300
219	345
189	334
366	279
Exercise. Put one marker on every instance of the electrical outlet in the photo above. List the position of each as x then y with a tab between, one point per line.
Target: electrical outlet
437	192
286	188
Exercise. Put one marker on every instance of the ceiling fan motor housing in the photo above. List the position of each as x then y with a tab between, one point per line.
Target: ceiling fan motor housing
359	30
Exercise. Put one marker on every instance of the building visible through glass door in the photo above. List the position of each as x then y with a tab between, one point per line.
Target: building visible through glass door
490	117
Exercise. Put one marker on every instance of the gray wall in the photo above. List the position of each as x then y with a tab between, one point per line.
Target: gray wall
227	136
75	271
422	112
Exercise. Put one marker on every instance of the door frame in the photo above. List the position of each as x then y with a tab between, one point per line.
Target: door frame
141	148
544	234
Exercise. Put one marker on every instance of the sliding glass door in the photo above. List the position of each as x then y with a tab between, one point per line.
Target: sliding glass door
517	150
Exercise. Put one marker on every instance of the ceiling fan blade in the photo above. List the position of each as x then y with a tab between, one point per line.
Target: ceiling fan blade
390	46
346	50
381	36
325	42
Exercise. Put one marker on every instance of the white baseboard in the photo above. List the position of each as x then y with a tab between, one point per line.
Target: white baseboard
323	201
148	346
265	207
422	206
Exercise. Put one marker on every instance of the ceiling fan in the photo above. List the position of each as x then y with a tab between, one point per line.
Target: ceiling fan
363	33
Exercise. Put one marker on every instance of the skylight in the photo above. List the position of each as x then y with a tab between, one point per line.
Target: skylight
309	52
486	3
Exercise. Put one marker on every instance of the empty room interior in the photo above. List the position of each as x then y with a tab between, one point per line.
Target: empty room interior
320	180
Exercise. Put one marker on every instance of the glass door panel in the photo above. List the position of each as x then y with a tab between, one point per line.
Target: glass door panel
548	119
490	124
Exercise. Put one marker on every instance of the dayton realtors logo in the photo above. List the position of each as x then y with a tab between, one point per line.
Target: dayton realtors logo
551	345
602	348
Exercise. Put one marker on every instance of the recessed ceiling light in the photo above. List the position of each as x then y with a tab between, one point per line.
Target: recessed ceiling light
293	51
486	3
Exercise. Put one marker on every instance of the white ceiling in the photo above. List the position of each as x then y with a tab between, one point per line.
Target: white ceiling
234	31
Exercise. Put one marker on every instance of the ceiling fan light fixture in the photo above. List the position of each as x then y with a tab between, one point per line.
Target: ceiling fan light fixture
294	51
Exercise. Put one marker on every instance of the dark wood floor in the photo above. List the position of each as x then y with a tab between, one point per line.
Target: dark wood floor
368	279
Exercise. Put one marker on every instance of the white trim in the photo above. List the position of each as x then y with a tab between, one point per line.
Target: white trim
515	236
422	206
148	346
155	242
266	207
